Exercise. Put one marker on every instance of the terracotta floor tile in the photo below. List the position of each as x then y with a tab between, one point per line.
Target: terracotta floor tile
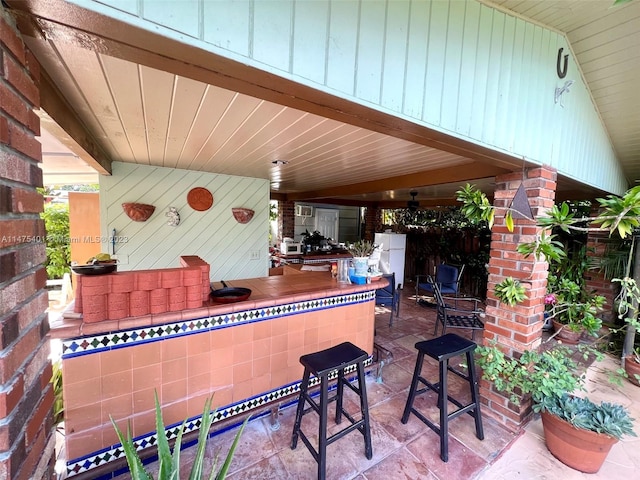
401	464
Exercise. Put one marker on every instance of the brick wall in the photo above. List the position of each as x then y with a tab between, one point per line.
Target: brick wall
26	396
372	222
286	220
519	328
597	245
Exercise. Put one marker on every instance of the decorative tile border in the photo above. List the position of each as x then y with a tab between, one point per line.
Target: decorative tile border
127	338
116	452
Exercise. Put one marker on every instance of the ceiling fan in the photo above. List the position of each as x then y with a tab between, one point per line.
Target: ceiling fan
413	204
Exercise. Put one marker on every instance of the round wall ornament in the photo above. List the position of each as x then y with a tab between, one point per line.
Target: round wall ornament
200	199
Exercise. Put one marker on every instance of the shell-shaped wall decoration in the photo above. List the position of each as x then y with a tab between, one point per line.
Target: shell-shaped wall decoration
242	215
174	217
138	212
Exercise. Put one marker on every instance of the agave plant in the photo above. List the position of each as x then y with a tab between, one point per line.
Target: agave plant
169	461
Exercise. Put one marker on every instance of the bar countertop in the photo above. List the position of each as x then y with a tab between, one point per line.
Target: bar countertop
293	286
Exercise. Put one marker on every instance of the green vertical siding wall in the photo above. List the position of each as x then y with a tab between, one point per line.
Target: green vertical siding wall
459	67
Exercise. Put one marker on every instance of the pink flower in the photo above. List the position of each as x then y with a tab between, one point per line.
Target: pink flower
550	299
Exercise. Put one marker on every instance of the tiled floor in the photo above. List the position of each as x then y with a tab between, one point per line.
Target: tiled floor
411	451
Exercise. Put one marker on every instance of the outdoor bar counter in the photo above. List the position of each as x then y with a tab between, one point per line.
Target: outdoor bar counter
245	354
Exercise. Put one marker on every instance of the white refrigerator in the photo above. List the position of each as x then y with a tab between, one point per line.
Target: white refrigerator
393	251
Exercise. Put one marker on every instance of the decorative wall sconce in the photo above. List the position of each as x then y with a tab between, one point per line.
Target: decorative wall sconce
562	90
138	212
174	217
242	215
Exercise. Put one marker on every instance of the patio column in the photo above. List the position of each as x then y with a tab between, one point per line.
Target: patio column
27	437
372	222
519	328
597	245
286	219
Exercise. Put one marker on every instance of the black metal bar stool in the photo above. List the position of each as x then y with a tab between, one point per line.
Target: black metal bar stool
442	349
322	364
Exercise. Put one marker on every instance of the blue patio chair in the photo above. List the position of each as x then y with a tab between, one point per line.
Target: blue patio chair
389	296
447	278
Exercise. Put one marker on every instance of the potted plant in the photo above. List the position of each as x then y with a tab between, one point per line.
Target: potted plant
577	431
573	310
313	240
627	304
361	251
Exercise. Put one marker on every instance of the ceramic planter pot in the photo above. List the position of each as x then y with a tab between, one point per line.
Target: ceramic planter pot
566	335
632	368
361	265
581	449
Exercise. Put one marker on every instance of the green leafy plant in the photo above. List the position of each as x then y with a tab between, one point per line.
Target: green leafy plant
56	382
608	418
550	373
169	462
58	248
362	248
510	291
548	378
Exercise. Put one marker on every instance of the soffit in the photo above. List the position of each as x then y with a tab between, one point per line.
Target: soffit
605	40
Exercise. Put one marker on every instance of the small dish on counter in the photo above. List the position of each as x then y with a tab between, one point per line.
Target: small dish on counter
95	269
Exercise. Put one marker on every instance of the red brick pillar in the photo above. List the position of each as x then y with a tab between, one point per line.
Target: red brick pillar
286	219
519	328
26	397
372	222
597	245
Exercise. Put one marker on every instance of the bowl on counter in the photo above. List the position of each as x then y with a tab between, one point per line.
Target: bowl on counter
95	269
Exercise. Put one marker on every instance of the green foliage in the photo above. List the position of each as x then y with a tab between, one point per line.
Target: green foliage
544	246
58	248
550	373
56	382
362	248
572	305
510	291
621	214
169	462
475	205
608	418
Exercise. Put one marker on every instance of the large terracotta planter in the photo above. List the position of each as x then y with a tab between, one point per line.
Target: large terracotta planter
632	368
565	334
581	449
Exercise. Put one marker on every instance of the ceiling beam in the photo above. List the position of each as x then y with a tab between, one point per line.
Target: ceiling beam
464	173
61	121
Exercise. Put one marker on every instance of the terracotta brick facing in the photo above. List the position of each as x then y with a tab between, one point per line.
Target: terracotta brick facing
139	303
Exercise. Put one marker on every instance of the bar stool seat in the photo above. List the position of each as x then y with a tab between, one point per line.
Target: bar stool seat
443	349
322	364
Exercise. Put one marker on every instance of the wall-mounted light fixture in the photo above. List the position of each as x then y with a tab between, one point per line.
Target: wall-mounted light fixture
562	90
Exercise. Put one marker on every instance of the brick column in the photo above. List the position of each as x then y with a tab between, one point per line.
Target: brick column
286	219
372	222
519	328
597	244
26	397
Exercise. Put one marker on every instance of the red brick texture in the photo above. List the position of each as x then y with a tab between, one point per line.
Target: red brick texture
143	292
26	396
519	328
372	222
598	243
286	219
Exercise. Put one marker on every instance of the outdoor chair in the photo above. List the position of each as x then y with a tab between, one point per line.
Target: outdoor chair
457	314
389	296
447	279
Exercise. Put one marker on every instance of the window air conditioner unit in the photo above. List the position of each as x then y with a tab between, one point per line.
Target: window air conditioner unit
304	210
